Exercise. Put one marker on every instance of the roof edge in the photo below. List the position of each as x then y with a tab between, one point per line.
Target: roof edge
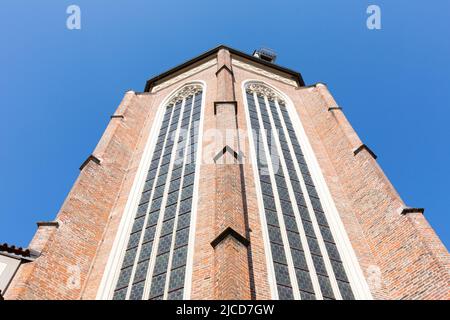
296	75
18	252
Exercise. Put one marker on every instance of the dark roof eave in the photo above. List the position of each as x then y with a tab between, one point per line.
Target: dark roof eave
18	252
295	75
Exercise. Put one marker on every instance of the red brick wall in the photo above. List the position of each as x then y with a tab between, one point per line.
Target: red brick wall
66	259
412	262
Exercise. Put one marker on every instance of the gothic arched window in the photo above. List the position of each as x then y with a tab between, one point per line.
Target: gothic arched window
156	255
304	259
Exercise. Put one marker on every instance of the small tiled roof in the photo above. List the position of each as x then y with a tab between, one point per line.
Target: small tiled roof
18	251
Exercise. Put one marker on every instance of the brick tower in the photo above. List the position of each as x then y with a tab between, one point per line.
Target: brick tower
229	178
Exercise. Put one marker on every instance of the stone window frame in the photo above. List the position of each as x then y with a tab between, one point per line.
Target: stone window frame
354	272
114	263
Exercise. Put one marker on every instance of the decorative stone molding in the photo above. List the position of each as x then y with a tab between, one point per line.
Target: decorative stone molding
185	92
262	89
185	75
263	72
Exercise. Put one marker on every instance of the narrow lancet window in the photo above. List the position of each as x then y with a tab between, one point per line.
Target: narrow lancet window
305	259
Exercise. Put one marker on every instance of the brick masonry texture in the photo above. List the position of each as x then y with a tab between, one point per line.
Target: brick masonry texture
231	268
411	260
67	258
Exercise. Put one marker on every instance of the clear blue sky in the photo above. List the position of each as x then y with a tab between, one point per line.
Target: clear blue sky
58	87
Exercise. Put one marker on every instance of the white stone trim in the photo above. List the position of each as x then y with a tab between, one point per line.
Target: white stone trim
241	64
185	75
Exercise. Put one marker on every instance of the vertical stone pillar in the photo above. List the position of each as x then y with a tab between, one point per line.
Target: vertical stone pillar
231	265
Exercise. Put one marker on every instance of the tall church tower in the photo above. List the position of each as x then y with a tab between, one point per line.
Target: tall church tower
229	178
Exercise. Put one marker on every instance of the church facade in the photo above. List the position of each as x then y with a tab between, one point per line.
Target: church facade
229	178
